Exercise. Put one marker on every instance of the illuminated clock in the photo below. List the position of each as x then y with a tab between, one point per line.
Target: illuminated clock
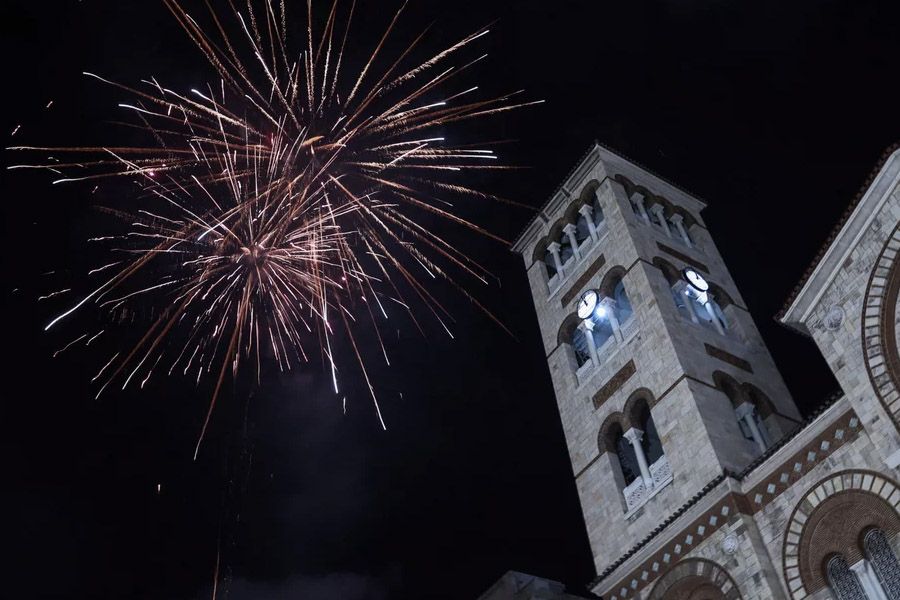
696	280
587	303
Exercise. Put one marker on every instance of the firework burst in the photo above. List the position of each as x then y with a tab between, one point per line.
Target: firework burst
288	201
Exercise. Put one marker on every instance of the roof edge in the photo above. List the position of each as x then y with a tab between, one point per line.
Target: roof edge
785	316
596	145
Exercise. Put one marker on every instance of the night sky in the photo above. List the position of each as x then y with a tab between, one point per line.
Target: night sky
773	112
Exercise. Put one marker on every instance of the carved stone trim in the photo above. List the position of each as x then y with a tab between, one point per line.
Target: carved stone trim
831	518
693	575
879	328
728	357
842	431
615	382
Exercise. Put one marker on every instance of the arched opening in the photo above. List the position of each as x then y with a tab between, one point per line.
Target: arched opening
751	407
658	211
695	579
640	419
543	253
623	303
842	581
550	263
650	443
612	440
566	250
840	536
613	287
883	561
626	457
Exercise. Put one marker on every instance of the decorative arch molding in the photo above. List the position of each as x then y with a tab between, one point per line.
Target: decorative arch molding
729	386
669	209
612	425
567	328
638	399
759	399
612	277
570	216
586	196
879	327
695	579
832	518
669	271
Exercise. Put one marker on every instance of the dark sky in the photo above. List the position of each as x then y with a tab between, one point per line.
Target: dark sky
772	111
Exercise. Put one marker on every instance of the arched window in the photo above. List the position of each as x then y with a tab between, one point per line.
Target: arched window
623	304
883	561
598	212
550	263
677	226
650	442
566	251
602	332
637	206
750	405
627	459
657	216
582	229
843	581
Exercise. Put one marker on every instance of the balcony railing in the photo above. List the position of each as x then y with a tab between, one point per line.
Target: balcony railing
638	492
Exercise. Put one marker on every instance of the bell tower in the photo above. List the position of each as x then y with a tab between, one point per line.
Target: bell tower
661	377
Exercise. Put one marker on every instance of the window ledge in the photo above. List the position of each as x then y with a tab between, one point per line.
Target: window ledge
656	489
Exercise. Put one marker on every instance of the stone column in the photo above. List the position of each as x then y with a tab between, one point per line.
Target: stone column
553	247
587	211
710	309
611	309
869	580
634	437
678	221
681	287
744	413
657	209
587	326
638	200
570	232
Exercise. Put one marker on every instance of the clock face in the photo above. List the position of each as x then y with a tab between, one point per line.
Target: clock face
587	303
696	280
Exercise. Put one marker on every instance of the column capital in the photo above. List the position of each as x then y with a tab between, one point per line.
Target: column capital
745	409
638	198
586	325
609	303
658	209
677	218
570	228
553	246
634	435
586	210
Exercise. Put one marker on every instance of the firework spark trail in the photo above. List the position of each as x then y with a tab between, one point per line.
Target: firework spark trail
285	195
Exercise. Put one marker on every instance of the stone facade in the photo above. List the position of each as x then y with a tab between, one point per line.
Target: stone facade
735	506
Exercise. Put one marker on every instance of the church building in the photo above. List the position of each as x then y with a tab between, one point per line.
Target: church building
698	477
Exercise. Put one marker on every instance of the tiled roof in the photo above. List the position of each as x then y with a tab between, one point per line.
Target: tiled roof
837	229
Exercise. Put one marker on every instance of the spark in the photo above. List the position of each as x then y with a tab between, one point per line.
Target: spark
279	198
52	294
